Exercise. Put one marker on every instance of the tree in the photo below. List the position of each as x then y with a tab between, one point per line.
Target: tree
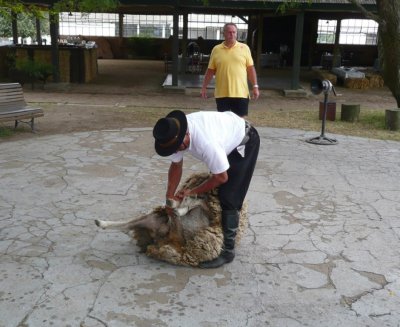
26	25
19	6
27	13
388	18
389	44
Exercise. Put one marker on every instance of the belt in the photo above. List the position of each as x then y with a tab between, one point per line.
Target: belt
246	133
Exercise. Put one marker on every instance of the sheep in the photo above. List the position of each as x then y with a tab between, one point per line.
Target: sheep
190	236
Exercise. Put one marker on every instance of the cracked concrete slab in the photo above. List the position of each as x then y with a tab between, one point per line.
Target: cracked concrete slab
321	248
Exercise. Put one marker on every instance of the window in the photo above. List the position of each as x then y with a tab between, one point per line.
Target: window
94	24
352	31
358	31
326	31
153	26
210	26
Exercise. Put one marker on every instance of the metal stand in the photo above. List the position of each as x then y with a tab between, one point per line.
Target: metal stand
322	139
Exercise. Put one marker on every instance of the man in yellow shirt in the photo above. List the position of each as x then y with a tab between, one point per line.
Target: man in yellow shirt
233	66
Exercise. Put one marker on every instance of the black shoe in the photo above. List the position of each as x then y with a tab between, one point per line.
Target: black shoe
224	257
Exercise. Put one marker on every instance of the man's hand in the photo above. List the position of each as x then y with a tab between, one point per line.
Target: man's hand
183	193
207	79
256	93
171	204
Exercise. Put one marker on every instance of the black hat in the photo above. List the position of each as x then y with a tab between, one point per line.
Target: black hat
169	133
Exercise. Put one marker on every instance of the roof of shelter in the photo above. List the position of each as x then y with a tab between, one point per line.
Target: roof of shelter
169	6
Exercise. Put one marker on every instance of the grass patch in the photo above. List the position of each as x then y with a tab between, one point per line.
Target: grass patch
370	125
5	132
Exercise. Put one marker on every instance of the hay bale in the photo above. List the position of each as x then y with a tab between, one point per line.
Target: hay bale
375	80
356	83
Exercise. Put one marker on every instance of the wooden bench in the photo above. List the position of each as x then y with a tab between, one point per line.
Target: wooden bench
14	107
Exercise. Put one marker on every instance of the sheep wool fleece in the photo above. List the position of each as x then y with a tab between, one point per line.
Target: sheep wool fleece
204	245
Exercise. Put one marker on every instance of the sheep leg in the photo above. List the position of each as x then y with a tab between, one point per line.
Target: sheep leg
106	224
152	221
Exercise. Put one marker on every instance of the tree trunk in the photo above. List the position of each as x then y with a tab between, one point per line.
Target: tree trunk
389	44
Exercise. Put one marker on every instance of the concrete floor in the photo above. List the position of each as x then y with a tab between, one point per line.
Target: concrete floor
321	248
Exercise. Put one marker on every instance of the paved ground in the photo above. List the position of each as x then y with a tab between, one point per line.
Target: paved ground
321	249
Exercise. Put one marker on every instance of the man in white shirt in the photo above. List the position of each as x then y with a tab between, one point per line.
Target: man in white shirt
228	145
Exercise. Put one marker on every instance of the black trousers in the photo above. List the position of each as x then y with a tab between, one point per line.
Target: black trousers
233	192
240	106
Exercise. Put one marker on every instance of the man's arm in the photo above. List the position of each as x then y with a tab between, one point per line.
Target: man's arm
252	77
174	178
207	78
213	181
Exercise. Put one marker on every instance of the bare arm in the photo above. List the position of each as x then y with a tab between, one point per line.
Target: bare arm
174	178
252	76
207	79
210	183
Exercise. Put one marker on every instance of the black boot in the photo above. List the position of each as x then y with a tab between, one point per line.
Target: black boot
230	222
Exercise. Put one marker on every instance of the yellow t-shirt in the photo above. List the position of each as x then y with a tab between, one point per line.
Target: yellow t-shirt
230	65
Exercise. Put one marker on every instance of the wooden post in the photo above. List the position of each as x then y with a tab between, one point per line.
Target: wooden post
175	48
260	29
185	32
295	83
121	25
38	33
350	112
14	19
55	51
336	60
392	119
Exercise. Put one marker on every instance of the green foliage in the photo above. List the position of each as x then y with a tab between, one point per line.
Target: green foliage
17	6
85	6
290	4
142	47
26	24
8	6
5	132
34	69
29	71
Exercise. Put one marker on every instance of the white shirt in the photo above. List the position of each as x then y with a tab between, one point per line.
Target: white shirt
213	136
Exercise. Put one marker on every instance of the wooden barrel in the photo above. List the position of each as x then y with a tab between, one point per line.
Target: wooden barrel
330	110
350	112
392	119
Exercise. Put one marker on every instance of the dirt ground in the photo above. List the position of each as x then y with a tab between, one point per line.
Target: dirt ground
130	94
